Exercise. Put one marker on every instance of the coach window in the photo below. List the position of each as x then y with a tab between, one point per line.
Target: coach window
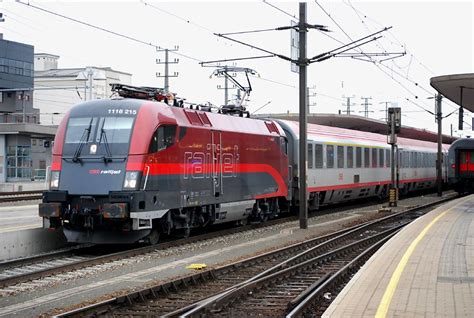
318	152
330	156
358	157
310	156
381	155
366	157
374	158
163	138
387	157
350	157
340	156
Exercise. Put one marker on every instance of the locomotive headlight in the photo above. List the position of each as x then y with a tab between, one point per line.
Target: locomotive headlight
54	180
131	180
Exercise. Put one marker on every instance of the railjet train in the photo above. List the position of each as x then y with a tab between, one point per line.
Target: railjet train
128	170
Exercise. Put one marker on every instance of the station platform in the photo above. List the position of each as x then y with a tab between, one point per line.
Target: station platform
426	270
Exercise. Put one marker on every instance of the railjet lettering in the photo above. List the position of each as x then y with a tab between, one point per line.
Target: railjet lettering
106	172
200	165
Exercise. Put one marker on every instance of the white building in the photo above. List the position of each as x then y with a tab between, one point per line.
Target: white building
69	86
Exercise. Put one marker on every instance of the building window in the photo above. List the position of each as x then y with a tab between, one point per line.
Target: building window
19	163
16	67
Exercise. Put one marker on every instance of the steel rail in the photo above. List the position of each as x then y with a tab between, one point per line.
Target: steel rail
110	257
21	196
301	304
27	276
227	298
203	277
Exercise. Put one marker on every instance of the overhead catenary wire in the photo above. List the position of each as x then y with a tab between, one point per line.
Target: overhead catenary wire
189	22
281	10
359	13
105	30
378	65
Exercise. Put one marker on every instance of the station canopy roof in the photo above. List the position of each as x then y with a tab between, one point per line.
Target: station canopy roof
362	124
450	87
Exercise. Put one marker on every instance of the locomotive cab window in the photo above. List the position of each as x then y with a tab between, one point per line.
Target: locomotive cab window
163	138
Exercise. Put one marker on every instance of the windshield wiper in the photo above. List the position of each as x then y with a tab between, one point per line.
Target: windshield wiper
82	142
106	144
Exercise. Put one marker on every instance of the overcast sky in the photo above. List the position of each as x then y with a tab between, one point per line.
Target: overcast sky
437	37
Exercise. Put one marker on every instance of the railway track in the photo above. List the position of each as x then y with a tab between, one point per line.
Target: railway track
20	196
20	272
265	285
24	270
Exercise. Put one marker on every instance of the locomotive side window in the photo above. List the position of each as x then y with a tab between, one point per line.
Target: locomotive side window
350	157
340	156
358	157
374	158
310	156
330	156
366	157
284	145
318	151
163	138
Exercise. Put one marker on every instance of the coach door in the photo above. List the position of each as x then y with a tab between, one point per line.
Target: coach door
216	173
466	163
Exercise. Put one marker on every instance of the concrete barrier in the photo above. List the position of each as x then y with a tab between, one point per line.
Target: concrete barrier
23	186
29	242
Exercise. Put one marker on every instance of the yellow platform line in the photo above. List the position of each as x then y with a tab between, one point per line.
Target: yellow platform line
394	280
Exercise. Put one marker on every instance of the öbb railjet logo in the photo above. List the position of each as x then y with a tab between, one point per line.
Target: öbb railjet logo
104	172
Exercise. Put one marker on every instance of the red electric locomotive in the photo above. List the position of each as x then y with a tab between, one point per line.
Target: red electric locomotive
127	170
